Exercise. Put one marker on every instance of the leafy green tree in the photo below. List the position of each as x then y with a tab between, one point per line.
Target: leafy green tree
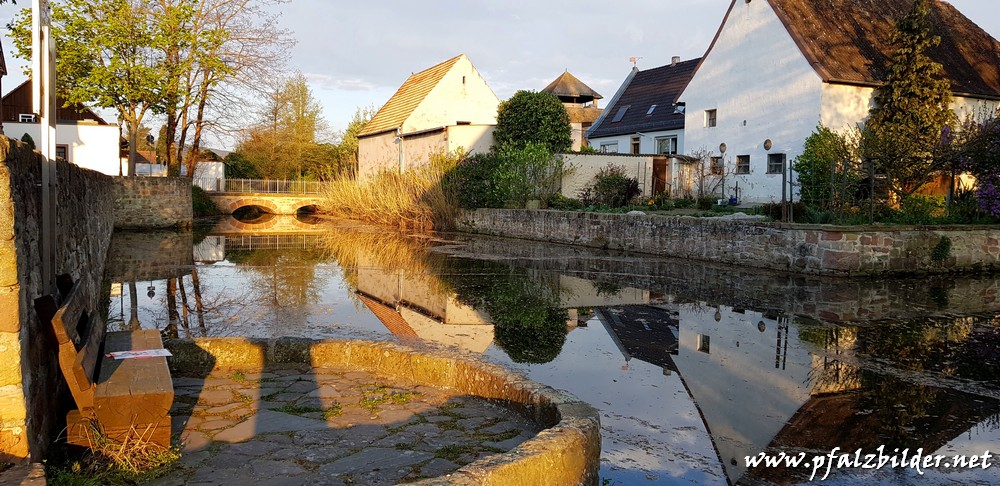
910	109
108	56
533	117
829	162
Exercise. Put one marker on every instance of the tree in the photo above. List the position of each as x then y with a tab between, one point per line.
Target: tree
108	56
283	144
535	117
828	167
910	109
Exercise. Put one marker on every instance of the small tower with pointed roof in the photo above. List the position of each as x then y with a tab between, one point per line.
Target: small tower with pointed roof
580	102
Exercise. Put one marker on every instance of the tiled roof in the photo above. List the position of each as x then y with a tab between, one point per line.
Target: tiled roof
568	86
849	41
406	99
392	320
658	86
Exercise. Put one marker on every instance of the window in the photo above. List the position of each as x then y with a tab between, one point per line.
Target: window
666	145
742	164
717	166
620	114
710	118
651	108
609	148
775	163
636	145
62	152
26	118
704	343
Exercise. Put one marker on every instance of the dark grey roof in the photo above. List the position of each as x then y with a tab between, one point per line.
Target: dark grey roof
658	86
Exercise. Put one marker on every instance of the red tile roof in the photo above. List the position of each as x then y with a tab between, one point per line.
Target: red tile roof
849	41
406	99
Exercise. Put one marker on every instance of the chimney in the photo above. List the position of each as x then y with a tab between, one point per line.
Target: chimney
674	60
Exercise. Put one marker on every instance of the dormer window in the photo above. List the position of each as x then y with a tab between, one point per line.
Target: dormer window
26	118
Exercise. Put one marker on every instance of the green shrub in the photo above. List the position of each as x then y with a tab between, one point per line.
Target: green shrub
800	212
706	203
506	177
917	209
610	188
28	140
563	203
684	203
202	205
942	250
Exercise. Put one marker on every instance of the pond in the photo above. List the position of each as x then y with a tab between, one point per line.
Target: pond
694	367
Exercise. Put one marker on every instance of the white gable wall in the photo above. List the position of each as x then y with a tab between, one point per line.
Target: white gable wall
846	106
462	95
88	145
762	88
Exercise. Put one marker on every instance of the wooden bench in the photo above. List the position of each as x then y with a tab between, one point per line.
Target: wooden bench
123	399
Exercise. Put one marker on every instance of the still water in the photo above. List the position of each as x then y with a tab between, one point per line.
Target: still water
693	366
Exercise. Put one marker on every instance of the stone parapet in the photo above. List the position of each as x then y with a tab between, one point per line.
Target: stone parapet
152	202
809	249
29	374
567	452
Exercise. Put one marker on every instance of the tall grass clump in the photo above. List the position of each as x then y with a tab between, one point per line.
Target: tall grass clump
415	199
128	460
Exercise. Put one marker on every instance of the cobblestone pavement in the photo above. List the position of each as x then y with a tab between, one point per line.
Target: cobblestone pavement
329	426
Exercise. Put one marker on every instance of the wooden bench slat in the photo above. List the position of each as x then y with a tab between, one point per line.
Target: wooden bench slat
137	390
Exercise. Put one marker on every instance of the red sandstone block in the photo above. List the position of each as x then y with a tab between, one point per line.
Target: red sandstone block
812	237
832	236
841	260
867	240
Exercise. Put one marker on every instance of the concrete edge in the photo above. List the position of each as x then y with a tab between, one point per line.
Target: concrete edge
567	452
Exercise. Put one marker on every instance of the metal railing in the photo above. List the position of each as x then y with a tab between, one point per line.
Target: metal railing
264	186
272	242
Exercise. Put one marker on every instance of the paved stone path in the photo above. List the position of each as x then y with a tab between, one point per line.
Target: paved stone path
329	427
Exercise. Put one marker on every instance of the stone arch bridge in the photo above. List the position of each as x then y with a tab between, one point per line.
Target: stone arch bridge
271	196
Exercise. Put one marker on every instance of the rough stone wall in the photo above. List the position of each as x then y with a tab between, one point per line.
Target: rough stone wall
152	202
810	249
29	374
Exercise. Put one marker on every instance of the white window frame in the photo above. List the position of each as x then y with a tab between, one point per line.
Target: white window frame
743	169
609	147
711	118
770	163
659	140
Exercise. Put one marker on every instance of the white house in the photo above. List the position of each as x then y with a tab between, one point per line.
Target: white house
82	137
443	108
778	68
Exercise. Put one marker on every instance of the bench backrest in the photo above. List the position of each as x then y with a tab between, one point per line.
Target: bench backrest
79	333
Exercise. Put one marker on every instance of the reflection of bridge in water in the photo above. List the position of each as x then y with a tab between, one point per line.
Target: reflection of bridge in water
266	233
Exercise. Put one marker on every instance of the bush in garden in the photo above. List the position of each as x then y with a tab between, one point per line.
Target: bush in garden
610	188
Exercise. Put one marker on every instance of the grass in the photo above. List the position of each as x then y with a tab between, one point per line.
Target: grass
414	199
238	377
133	459
375	395
297	410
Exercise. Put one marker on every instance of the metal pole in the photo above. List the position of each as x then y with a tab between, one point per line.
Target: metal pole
43	58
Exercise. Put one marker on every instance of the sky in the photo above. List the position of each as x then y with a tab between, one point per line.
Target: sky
356	54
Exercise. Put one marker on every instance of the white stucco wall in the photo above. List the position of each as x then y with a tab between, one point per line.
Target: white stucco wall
88	145
846	106
471	138
647	141
377	153
583	168
762	88
462	95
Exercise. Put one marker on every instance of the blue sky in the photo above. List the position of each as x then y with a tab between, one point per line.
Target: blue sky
357	53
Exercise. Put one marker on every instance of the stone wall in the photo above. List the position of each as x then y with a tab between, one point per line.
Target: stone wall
29	375
152	202
809	249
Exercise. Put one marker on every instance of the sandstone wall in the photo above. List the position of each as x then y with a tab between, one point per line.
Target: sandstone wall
809	249
29	375
152	202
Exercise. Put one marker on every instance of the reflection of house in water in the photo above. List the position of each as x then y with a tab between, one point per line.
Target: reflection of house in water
416	305
647	333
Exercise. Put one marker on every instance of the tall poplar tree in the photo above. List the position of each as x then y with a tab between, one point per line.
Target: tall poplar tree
911	109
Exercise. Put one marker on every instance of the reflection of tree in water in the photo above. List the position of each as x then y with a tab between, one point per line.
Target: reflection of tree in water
279	279
528	323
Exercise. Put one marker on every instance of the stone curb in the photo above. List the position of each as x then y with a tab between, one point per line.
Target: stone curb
567	452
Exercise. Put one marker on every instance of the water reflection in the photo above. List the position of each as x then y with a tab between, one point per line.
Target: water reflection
693	366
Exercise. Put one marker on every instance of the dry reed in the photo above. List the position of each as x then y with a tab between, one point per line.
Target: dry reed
415	199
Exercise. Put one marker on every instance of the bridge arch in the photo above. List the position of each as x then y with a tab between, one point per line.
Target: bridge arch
265	205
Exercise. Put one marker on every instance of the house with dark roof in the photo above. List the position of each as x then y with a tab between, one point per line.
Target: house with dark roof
778	68
82	136
580	102
440	109
642	118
